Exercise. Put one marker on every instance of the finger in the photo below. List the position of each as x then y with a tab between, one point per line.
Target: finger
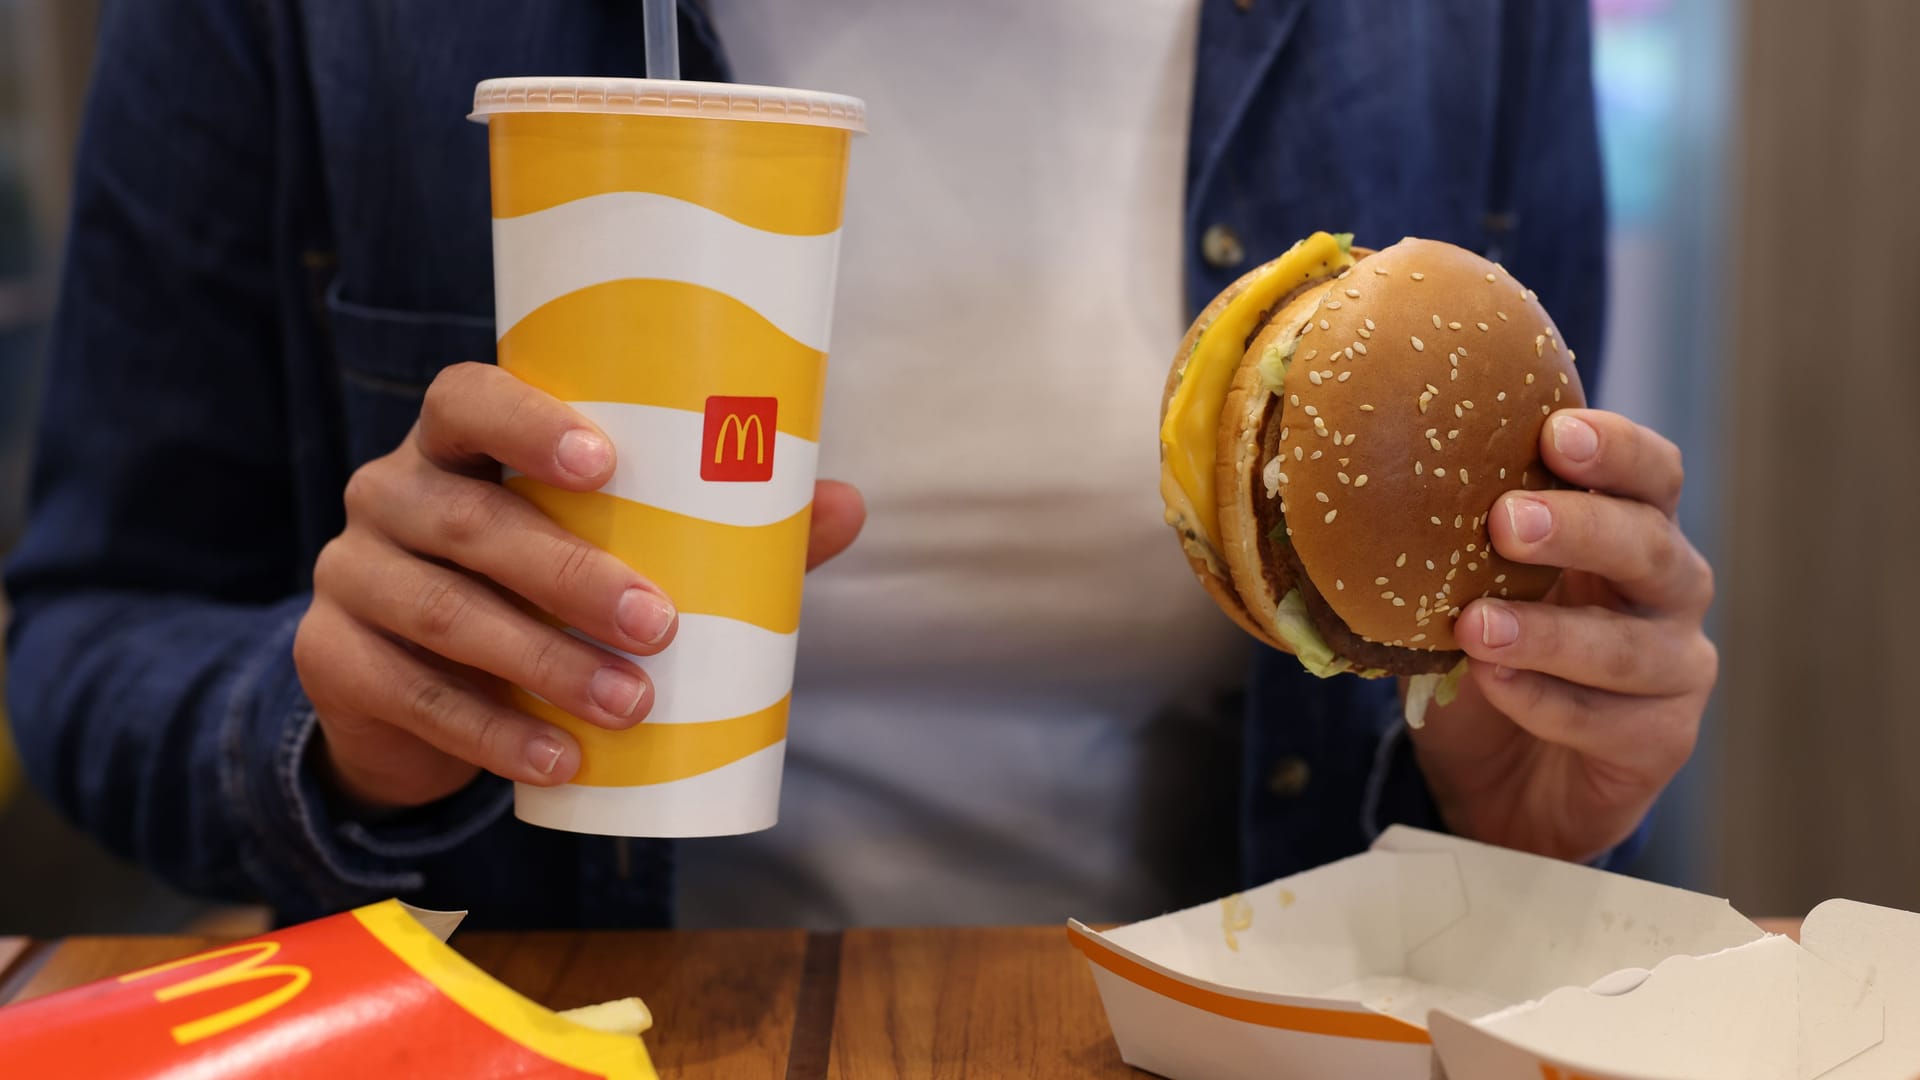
468	623
1638	549
1651	736
501	537
1604	451
477	416
838	514
388	684
1589	646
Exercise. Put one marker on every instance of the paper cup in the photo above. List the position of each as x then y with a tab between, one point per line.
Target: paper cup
664	261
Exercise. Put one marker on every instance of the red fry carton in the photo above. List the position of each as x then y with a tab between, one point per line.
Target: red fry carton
371	992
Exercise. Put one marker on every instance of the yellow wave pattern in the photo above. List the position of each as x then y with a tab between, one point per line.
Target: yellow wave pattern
662	753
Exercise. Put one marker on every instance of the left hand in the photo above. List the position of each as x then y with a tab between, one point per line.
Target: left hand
1581	707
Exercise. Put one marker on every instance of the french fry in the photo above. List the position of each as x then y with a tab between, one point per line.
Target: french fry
622	1016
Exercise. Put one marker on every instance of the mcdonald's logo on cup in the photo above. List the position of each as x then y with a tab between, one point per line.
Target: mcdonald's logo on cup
737	443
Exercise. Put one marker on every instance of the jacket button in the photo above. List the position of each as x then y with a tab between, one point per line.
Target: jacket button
1289	777
1221	247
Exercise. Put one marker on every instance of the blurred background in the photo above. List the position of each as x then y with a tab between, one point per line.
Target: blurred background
1761	160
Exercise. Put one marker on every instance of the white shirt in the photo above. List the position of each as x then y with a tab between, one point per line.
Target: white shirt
980	676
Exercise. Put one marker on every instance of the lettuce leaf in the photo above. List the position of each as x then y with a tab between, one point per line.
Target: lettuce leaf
1426	690
1297	631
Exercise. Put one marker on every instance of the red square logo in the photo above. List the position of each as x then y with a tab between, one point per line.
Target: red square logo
737	446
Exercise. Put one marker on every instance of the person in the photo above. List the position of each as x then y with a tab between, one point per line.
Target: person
266	595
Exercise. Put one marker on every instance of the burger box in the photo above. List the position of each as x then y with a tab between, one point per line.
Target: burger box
371	992
1336	972
1844	1004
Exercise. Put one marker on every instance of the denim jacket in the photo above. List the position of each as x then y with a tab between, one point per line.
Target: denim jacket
281	233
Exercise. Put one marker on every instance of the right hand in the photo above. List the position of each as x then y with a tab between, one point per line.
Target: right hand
413	633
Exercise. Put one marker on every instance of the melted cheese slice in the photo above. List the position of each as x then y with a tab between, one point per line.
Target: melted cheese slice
1189	435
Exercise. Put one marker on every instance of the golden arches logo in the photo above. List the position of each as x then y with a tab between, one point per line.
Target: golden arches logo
738	417
251	967
740	429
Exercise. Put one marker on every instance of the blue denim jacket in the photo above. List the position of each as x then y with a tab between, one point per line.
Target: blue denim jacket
281	233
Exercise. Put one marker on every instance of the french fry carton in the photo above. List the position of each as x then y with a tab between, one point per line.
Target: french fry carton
373	992
1844	1004
1332	973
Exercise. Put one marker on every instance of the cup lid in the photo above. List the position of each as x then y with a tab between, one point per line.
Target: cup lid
668	97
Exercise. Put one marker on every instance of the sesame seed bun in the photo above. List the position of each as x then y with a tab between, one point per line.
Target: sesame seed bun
1413	424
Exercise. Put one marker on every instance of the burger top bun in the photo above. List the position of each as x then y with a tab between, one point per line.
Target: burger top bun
1415	397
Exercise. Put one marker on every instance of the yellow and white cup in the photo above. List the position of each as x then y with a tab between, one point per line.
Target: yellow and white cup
664	258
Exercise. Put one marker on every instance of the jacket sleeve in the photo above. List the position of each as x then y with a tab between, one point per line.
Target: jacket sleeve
159	581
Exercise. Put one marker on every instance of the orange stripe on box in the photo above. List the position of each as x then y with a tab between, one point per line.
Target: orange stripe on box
753	573
1335	1022
784	178
665	343
661	753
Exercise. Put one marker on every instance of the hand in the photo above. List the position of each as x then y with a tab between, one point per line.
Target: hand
413	632
1581	707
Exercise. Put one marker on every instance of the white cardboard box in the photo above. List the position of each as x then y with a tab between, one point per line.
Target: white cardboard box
1335	972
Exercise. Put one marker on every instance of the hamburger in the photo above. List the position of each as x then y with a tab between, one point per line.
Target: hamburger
1337	427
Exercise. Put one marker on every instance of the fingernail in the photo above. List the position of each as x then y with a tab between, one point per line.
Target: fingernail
1530	519
1574	438
544	753
583	453
616	691
645	616
1498	627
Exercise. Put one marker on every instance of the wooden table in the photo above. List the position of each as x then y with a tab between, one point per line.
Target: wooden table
744	1004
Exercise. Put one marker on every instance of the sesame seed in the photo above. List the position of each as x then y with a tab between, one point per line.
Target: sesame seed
1556	393
1458	411
1422	622
1317	454
1454	434
1463	476
1564	381
1338	584
1429	564
1322	496
1332	305
1306	328
1436	443
1360	481
1311	353
1435	520
1343	478
1502	314
1323	324
1330	515
1467	403
1457	519
1365	333
1470	547
1311	411
1529	378
1454	375
1366	408
1436	322
1343	376
1379	271
1489	277
1402	560
1349	440
1313	377
1398	602
1425	400
1453	326
1299	454
1418	276
1539	343
1529	294
1501	396
1381	581
1294	400
1419	346
1418	637
1452	572
1555	342
1455	560
1482	326
1418	468
1369	324
1503	421
1498	578
1344	462
1350	352
1440	470
1283	432
1432	389
1359	347
1354	293
1282	476
1545	410
1342	275
1503	591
